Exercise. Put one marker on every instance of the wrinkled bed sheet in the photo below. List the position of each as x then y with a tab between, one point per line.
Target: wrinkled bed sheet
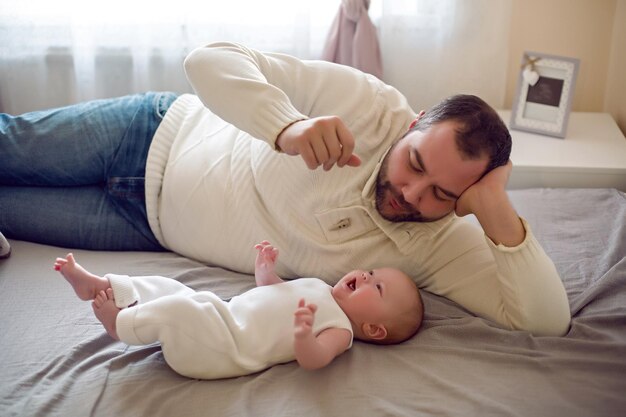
57	359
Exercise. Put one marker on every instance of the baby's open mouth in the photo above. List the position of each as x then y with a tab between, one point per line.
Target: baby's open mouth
352	284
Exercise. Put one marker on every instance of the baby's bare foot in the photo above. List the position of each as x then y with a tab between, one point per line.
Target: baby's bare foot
86	285
105	310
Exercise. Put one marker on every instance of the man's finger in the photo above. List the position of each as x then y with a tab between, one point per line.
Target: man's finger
347	143
354	161
308	155
320	150
334	147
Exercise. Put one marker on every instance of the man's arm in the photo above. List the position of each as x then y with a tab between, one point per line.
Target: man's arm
507	277
489	202
236	84
265	264
295	106
314	352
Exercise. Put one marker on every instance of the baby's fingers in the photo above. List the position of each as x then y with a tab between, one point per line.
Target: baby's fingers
303	313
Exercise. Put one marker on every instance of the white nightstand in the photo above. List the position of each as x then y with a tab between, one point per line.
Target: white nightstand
592	155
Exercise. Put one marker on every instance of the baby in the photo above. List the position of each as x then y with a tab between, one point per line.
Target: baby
204	337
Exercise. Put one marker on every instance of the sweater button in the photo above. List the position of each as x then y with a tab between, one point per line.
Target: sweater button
341	224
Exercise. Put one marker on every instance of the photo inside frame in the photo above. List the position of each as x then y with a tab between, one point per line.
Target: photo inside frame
544	98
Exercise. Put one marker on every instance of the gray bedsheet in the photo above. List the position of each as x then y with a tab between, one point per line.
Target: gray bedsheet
57	360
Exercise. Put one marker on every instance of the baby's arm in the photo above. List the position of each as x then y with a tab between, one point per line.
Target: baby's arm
266	256
314	352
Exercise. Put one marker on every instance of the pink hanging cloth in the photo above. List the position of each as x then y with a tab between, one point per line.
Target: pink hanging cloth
352	39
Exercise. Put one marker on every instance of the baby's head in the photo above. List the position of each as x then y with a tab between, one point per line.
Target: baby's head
384	305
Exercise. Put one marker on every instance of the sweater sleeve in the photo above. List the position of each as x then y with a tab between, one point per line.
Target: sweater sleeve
262	93
517	287
231	81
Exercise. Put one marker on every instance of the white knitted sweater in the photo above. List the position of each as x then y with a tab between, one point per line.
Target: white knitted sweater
215	186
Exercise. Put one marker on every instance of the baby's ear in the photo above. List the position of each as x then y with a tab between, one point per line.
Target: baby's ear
374	331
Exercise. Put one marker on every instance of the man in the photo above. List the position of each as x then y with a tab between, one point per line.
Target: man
213	186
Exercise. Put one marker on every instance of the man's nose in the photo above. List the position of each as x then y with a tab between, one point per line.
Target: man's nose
413	191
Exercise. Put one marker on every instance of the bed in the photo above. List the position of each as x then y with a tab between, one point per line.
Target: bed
57	359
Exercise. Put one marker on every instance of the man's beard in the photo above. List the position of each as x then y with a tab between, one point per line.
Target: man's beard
384	187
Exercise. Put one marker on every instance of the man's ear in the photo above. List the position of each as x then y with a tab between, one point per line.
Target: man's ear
374	331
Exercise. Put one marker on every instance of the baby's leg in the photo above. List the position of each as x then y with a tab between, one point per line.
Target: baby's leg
86	285
105	310
195	339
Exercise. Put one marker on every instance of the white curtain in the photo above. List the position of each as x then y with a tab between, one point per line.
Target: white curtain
436	48
61	52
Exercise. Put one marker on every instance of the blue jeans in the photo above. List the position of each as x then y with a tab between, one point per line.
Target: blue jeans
74	176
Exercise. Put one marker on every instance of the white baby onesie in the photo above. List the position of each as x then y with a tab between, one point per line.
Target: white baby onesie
205	337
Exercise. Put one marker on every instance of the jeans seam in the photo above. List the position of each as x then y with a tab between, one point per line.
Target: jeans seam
159	101
113	191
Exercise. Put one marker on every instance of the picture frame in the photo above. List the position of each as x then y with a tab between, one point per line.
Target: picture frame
545	89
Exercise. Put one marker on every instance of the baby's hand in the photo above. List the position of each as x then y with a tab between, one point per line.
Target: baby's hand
265	264
266	256
303	320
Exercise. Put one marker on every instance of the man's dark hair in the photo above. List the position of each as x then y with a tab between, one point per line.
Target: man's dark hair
480	129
